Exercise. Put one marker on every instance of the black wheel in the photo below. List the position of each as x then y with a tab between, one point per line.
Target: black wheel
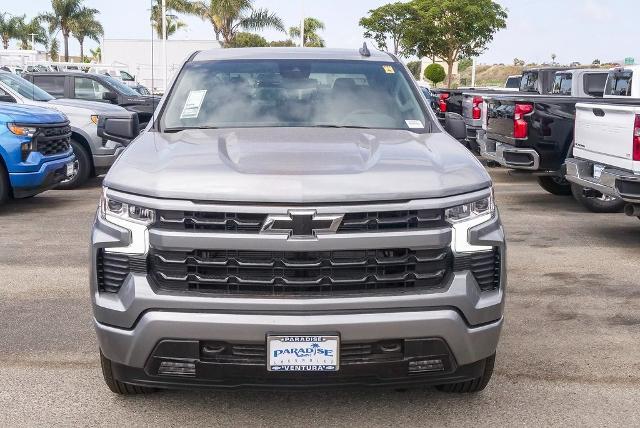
474	385
82	168
5	188
602	204
120	387
555	185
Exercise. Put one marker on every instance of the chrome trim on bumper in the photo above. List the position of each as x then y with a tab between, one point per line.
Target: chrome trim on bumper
494	151
580	172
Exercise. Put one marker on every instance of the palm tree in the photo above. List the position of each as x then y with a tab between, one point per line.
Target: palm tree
9	28
86	27
173	23
65	13
26	29
229	16
96	54
311	36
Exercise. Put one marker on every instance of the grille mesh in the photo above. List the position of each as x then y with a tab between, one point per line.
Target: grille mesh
53	140
374	221
278	273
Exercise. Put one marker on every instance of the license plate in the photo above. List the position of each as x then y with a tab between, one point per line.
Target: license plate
303	353
597	170
70	169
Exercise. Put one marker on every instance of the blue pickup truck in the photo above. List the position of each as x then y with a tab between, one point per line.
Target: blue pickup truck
35	153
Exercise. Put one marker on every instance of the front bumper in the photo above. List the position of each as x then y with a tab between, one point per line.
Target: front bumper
612	181
49	175
507	155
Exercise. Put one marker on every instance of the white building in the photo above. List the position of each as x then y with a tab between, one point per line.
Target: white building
136	55
21	57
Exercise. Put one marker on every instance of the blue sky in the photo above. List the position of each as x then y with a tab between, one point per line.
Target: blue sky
575	30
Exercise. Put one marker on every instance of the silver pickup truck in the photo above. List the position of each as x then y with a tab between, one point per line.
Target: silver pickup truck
94	154
296	217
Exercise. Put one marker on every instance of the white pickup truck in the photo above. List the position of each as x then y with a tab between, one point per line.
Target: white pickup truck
606	153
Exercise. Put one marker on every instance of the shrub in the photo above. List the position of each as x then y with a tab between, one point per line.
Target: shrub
434	73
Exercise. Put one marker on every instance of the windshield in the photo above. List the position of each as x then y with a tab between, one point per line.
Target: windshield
562	84
513	82
529	82
268	93
121	87
619	83
24	87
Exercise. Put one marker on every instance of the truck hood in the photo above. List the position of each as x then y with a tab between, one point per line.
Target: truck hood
296	165
29	114
94	107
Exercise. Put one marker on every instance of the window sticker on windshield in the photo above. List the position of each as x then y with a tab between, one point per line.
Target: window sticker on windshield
191	107
413	124
388	69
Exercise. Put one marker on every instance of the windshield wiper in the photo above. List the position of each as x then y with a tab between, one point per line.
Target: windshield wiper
184	128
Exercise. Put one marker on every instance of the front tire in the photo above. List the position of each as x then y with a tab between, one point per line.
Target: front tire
604	204
5	187
474	385
118	387
82	168
555	184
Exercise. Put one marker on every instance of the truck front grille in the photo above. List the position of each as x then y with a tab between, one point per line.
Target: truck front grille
294	273
53	140
357	222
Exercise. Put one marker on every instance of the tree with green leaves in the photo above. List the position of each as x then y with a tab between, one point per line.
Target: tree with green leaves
247	40
86	27
387	25
173	22
282	44
96	54
228	17
9	28
27	29
311	36
414	68
54	49
434	73
449	29
63	16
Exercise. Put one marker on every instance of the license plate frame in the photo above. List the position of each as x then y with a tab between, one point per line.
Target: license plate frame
597	170
324	355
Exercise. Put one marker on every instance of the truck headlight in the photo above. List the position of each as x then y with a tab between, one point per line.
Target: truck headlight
23	131
132	217
464	217
112	208
94	119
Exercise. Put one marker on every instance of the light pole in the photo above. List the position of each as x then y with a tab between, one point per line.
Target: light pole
302	25
33	40
164	43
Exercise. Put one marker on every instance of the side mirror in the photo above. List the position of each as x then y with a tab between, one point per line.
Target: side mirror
110	96
118	127
7	99
454	125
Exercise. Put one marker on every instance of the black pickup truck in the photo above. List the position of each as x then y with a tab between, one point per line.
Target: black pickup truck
533	133
536	80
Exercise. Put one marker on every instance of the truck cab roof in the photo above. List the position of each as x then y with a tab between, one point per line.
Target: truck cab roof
290	53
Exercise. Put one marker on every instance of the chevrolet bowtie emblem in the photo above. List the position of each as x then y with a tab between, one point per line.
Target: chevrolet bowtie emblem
302	224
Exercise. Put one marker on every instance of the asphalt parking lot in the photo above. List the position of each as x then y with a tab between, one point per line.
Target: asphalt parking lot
568	353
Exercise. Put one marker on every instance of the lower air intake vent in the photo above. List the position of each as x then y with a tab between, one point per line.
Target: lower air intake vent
112	269
484	265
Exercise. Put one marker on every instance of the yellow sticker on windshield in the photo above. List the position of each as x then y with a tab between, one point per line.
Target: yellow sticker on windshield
388	69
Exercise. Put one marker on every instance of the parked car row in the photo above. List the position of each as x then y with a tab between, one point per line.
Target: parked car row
47	142
576	130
